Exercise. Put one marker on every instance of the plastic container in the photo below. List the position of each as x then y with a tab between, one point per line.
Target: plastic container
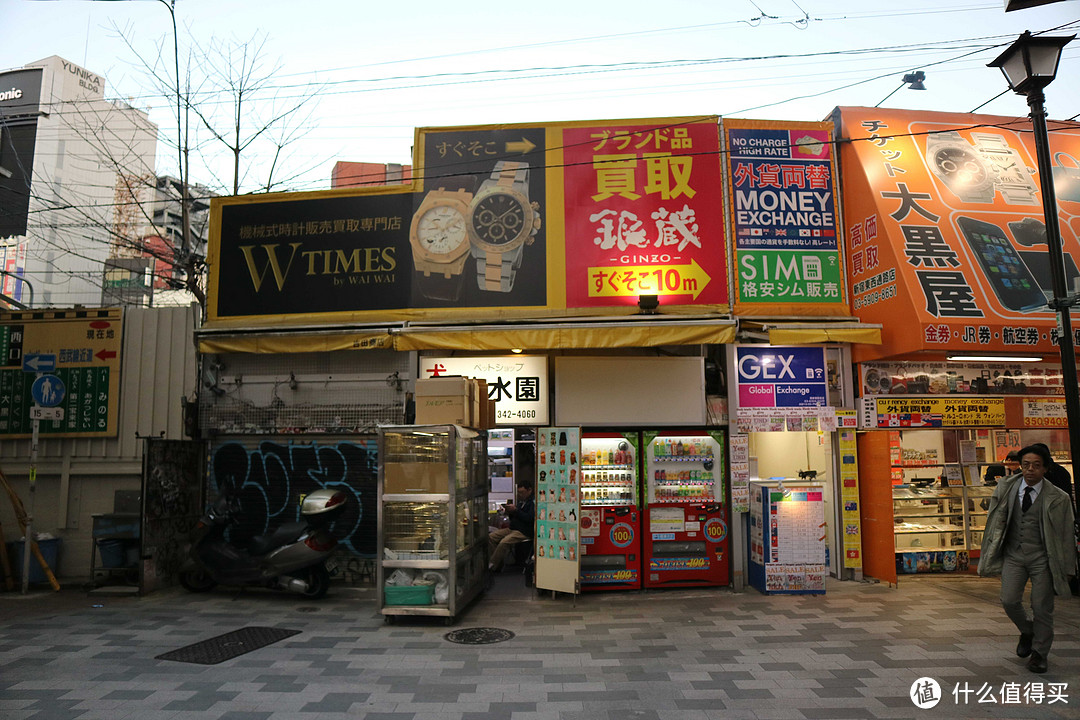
409	594
50	550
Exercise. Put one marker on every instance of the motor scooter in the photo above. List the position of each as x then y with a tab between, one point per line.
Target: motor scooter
290	557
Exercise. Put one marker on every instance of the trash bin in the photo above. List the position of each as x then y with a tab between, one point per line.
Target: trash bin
50	550
113	552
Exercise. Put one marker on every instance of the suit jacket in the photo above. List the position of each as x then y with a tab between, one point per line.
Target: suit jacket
1055	520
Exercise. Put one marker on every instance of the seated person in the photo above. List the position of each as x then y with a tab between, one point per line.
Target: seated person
521	526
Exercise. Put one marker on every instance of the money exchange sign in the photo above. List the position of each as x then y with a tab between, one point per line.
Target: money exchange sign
784	218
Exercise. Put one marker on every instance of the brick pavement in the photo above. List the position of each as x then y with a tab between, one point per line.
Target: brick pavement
686	655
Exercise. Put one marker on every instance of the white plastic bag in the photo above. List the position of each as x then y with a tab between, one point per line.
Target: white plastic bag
400	577
442	587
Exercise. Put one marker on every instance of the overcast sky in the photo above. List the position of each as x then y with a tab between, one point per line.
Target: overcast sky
384	68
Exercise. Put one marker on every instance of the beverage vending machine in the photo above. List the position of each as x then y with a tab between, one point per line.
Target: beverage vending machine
686	517
610	511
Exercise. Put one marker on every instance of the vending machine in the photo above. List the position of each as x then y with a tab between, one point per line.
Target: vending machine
686	516
610	524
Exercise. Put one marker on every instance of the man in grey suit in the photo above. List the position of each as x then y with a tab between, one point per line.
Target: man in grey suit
1029	535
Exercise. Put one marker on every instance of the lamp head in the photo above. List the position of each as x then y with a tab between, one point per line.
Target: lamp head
1031	62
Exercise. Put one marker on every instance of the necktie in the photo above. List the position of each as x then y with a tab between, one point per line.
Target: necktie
1026	503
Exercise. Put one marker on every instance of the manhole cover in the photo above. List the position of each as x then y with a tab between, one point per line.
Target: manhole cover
478	636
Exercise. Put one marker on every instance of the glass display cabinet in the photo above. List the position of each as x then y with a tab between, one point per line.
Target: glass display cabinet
432	519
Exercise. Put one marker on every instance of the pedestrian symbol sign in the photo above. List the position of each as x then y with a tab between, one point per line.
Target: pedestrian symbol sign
48	391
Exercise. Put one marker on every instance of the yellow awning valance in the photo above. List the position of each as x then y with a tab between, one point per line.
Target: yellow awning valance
584	336
276	344
789	335
481	338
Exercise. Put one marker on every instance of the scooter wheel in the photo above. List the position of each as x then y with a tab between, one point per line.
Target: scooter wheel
318	581
197	580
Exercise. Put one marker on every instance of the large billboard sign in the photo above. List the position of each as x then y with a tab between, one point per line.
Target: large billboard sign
641	214
784	218
20	97
945	229
526	219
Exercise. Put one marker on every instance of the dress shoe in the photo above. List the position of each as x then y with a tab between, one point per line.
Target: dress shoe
1023	648
1037	663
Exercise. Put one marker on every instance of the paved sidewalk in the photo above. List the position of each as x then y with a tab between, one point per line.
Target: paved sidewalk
686	655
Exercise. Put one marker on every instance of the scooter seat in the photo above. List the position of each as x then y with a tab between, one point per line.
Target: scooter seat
279	536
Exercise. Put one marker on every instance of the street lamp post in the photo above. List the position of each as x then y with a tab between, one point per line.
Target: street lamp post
1029	65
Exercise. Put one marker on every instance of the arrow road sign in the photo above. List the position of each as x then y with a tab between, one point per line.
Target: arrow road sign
48	391
39	362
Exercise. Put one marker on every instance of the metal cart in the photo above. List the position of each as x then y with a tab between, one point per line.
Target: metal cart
432	519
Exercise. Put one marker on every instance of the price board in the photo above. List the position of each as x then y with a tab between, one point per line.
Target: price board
86	345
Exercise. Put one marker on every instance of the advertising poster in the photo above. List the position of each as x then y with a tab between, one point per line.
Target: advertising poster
643	212
739	449
940	412
849	496
945	226
482	209
557	507
784	218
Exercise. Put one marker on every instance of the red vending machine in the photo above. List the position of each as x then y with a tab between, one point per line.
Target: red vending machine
610	523
686	517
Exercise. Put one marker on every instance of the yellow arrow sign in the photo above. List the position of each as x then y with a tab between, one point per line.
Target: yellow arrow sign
623	281
522	146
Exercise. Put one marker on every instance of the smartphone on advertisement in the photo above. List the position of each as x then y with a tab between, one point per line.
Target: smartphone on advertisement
1010	278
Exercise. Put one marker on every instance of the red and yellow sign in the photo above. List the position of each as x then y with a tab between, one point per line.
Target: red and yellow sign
641	211
945	229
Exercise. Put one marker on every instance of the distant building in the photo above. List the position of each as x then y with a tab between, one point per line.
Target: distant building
76	180
359	174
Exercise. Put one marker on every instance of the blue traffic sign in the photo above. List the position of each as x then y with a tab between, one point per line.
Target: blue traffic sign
48	391
39	362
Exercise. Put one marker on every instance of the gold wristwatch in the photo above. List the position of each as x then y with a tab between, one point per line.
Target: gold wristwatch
501	222
440	243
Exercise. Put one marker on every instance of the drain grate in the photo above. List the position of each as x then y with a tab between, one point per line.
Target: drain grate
478	636
226	647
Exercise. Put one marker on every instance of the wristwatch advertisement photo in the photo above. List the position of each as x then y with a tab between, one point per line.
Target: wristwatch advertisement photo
502	222
957	163
440	243
478	228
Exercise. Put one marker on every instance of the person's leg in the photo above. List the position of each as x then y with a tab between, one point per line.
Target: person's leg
1042	607
498	557
1014	577
494	538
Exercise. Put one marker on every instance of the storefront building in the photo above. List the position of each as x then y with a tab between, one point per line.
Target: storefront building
598	275
946	248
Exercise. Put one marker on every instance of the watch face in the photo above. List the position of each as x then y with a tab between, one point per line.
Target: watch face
498	218
960	165
441	230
